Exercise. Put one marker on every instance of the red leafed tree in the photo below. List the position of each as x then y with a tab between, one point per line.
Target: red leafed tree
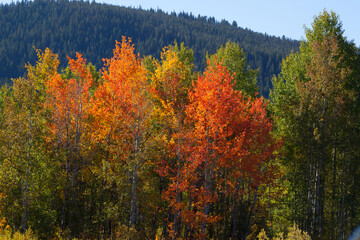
68	100
230	140
170	82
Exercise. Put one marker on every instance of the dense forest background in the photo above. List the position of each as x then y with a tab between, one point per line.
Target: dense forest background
91	29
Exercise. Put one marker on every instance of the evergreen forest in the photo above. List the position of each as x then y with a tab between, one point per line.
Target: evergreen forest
145	146
67	27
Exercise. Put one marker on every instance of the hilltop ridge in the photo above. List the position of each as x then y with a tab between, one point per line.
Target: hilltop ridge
67	27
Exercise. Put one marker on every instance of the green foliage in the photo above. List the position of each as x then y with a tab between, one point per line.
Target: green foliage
233	57
26	168
314	101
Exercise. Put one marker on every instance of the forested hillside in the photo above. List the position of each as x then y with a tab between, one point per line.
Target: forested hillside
91	29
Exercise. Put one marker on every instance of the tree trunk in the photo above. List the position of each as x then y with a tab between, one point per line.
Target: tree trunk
67	173
27	171
178	195
133	197
235	213
333	200
208	176
309	214
342	204
251	214
25	206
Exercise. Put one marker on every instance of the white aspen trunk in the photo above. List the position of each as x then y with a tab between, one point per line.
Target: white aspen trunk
27	170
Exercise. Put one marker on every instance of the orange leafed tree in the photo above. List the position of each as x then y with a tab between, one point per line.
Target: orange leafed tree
121	110
68	100
230	140
114	100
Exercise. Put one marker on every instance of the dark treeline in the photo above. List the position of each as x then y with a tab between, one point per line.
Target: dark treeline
91	29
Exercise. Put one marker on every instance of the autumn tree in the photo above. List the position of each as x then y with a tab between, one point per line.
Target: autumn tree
218	153
171	80
121	110
68	101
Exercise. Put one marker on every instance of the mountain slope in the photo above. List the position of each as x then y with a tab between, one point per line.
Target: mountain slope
91	29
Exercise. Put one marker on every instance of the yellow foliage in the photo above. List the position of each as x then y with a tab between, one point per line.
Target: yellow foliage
9	235
262	235
294	233
125	232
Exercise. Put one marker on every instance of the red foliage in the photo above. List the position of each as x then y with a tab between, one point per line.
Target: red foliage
230	134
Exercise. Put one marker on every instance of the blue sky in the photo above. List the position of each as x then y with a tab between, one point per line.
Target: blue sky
274	17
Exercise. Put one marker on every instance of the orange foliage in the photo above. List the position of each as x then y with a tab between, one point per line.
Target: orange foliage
68	100
119	103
